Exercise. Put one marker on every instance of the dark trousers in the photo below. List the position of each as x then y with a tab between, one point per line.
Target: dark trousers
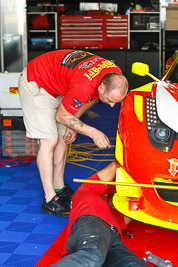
93	243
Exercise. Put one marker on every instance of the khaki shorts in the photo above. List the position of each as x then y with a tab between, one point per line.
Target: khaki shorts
39	110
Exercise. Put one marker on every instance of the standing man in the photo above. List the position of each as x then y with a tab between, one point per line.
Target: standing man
56	89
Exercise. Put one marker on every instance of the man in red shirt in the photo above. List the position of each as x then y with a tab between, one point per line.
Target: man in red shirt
94	232
55	90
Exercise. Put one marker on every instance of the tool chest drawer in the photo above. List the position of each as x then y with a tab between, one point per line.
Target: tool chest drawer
116	32
93	31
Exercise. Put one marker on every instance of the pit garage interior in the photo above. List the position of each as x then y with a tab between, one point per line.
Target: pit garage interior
124	32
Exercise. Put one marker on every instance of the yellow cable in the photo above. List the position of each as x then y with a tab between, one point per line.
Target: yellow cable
75	154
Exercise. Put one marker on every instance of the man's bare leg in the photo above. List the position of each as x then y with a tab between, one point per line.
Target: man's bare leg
63	190
52	204
60	155
45	159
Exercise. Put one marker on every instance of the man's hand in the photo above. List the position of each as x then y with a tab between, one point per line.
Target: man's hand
100	139
69	136
76	125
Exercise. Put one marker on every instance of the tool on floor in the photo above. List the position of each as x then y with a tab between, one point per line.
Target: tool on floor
157	260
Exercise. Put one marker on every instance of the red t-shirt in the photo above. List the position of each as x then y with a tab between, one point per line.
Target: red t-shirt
87	200
73	74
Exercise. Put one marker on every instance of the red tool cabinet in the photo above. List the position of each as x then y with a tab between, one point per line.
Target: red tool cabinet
96	31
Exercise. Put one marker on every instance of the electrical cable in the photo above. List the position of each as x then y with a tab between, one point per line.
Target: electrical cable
14	161
76	153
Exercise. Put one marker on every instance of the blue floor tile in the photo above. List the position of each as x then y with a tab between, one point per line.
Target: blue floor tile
5	192
13	186
54	220
17	179
27	193
7	216
4	257
31	249
8	236
33	209
40	238
4	199
30	186
21	261
30	217
4	178
8	247
21	227
35	181
25	232
4	224
20	200
38	201
49	228
12	208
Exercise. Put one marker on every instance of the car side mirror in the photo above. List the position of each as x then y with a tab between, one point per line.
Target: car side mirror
142	69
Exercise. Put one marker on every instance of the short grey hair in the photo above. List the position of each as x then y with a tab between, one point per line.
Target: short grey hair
115	81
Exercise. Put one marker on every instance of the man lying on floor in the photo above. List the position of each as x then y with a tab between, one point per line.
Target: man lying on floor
94	231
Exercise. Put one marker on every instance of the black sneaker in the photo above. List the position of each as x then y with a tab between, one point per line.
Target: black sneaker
66	193
57	207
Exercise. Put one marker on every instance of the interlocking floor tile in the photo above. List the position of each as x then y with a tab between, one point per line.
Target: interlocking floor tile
31	249
4	179
25	232
8	247
4	225
28	193
8	236
12	208
14	186
6	192
30	217
32	186
40	238
20	200
33	209
54	220
4	199
21	227
7	216
4	257
22	260
49	228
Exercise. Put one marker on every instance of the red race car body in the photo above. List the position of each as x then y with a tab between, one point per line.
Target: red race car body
147	151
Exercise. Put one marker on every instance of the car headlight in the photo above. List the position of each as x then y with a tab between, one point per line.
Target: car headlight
160	135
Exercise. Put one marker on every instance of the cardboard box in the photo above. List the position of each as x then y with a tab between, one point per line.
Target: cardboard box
172	17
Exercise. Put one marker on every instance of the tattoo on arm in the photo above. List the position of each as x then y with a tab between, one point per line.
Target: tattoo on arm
74	121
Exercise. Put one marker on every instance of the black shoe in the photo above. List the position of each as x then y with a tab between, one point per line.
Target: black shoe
57	207
66	193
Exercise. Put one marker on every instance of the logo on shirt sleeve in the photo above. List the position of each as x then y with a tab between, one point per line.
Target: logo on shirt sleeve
77	103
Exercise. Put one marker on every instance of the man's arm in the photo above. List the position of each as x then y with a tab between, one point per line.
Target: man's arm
70	135
72	122
84	108
108	173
